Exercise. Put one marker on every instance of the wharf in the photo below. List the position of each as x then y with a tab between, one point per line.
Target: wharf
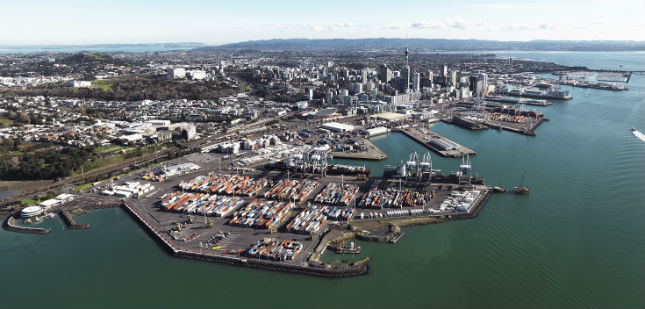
529	131
424	138
372	153
189	253
590	85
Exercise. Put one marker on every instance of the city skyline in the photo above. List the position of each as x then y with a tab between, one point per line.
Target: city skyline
78	22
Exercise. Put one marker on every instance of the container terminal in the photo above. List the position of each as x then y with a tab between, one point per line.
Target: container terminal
279	208
281	220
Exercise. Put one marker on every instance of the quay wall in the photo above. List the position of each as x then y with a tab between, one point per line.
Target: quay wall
337	272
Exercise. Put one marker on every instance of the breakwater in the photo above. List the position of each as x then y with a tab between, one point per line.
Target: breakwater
69	220
9	224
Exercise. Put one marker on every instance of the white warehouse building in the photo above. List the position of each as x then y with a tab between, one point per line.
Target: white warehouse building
338	127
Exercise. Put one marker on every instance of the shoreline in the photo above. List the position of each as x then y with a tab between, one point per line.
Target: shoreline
14	187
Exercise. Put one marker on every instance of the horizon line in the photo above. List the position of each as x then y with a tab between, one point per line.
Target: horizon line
11	46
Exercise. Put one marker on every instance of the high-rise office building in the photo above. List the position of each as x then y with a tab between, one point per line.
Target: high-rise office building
406	78
483	78
416	82
384	73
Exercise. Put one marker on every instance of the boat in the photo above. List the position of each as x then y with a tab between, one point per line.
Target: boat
351	249
638	134
499	189
521	189
347	169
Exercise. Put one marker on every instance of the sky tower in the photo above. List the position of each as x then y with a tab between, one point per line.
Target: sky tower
407	66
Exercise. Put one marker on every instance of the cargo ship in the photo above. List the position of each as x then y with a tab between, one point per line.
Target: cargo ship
348	170
519	100
399	170
332	169
468	123
540	94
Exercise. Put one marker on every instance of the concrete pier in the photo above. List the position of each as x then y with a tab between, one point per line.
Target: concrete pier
372	153
529	131
426	138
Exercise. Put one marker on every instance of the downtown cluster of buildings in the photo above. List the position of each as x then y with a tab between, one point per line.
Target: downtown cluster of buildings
305	88
373	90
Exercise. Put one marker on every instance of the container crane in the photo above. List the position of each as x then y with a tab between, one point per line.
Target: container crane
412	164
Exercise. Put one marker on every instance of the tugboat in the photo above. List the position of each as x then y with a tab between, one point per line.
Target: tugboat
499	189
352	249
521	189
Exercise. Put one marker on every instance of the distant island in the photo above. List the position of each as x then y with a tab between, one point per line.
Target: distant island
431	45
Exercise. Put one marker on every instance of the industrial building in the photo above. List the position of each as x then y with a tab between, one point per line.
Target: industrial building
376	131
338	127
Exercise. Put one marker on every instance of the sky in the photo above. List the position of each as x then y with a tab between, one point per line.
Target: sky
65	22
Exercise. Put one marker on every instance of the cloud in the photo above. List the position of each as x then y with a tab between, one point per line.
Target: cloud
527	6
455	24
586	25
427	25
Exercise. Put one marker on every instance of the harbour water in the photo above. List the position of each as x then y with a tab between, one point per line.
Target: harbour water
578	240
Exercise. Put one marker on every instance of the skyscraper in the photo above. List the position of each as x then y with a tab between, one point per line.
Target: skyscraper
416	82
384	73
406	78
483	78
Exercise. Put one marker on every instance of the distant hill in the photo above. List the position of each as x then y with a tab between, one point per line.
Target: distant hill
113	46
144	47
428	45
91	58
